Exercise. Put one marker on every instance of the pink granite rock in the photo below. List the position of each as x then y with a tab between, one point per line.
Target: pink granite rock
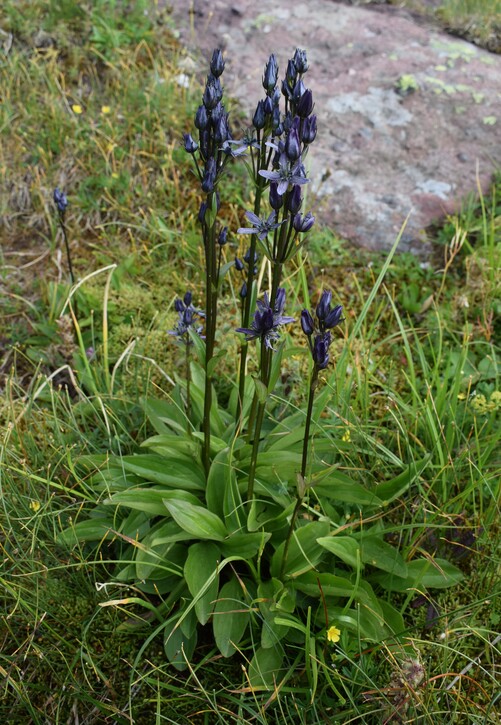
407	115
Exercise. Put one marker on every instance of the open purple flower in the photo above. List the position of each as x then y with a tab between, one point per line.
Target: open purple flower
261	227
267	320
286	174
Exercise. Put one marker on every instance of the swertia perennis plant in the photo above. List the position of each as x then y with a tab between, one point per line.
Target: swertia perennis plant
238	525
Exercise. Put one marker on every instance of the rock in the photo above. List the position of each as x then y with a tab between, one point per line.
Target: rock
379	154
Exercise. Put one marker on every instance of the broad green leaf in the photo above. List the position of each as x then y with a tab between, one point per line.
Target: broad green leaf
264	668
339	487
344	547
390	490
216	482
327	585
394	621
202	561
231	617
381	555
149	500
276	367
271	633
165	417
222	492
304	552
214	361
245	545
285	440
158	557
261	390
422	573
196	520
174	447
268	515
178	647
90	530
166	471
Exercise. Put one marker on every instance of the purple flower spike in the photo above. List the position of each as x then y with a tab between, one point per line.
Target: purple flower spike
60	200
267	321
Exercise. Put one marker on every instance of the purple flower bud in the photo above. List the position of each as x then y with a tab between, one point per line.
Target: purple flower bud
303	224
320	350
212	93
275	97
293	145
201	213
294	199
280	301
60	200
324	305
275	122
243	290
201	118
300	61
298	91
247	257
223	237
286	91
291	74
270	74
268	106
221	132
187	299
190	145
334	317
305	104
309	130
239	265
179	305
259	119
204	142
217	63
276	199
209	178
307	322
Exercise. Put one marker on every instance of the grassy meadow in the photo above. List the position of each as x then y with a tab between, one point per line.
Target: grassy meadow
95	101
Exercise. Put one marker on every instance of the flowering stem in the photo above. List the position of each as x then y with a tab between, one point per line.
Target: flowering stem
210	327
304	461
265	375
260	184
68	255
188	390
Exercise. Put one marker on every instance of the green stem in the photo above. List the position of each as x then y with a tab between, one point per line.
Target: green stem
210	327
188	390
265	375
304	461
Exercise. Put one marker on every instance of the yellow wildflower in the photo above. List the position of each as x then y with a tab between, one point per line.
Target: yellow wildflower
35	505
346	436
333	634
76	108
105	109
